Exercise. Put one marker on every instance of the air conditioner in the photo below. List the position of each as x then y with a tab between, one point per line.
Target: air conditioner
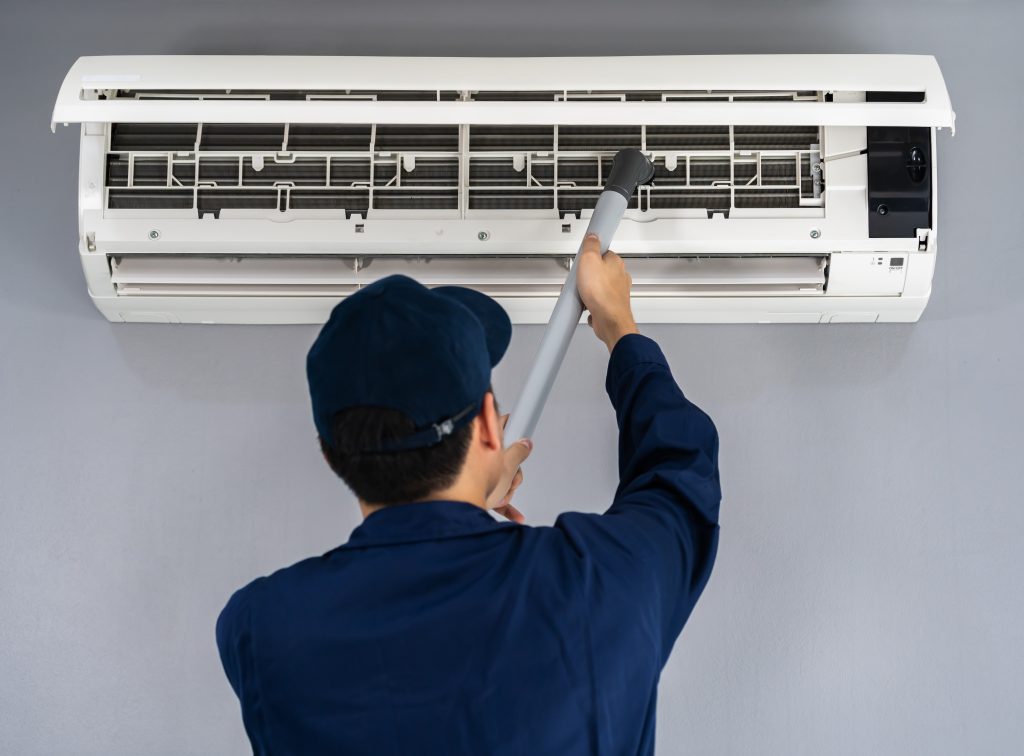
224	189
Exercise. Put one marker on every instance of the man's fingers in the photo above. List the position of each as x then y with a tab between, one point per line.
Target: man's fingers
517	453
513	457
510	513
591	245
511	475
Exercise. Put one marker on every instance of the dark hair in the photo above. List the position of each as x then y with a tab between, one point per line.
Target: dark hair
391	477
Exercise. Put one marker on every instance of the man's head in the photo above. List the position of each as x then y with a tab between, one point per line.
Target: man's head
399	379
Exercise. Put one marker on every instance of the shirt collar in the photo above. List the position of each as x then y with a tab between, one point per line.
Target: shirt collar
422	521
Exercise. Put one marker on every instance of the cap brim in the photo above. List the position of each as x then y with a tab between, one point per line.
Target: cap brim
496	323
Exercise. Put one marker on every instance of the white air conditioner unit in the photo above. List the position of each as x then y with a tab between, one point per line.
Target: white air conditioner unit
789	188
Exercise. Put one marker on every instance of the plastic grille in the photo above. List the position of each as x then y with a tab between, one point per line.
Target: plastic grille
360	168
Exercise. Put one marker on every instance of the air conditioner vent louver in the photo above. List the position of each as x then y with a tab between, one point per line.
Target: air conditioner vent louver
327	275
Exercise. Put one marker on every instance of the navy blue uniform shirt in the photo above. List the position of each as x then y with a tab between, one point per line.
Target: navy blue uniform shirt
437	630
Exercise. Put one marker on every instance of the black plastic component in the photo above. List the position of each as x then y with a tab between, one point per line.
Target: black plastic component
880	96
899	180
630	168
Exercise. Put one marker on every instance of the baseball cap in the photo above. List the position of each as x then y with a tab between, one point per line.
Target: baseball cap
396	344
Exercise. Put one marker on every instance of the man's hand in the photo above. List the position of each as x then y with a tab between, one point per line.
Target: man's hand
500	499
603	284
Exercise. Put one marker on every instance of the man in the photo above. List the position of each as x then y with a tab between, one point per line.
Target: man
436	629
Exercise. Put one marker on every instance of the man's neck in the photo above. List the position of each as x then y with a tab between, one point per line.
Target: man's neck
458	492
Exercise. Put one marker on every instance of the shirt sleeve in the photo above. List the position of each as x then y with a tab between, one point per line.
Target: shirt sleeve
234	642
651	552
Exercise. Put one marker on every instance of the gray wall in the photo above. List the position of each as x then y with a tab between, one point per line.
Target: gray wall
867	596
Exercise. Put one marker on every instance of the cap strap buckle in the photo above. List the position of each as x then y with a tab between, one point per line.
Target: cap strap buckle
431	435
444	428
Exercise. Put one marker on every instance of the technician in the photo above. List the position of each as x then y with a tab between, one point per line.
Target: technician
436	629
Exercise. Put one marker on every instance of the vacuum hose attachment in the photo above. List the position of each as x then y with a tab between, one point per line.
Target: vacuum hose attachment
630	168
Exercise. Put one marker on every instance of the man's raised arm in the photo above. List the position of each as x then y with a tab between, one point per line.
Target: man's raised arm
656	544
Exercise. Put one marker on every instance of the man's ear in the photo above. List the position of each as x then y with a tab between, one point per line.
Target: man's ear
490	423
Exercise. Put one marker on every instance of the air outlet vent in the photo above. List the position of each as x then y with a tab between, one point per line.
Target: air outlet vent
184	275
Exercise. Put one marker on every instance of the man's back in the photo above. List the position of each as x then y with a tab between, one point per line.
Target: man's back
444	644
436	629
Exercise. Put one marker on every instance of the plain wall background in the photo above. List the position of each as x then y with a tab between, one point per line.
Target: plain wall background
867	597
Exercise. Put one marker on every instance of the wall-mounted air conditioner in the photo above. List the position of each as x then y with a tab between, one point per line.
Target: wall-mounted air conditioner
789	188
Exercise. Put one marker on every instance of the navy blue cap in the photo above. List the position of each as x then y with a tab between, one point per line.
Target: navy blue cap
397	344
